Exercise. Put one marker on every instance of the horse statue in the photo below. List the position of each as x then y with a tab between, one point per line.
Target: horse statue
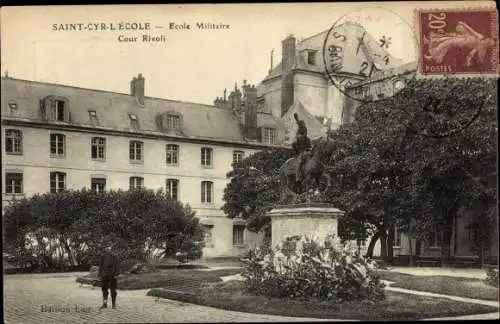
313	171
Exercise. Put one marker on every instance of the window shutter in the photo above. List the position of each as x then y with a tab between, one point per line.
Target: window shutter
259	134
42	109
50	106
159	122
67	114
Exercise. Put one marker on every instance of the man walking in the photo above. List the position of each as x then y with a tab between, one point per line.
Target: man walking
108	272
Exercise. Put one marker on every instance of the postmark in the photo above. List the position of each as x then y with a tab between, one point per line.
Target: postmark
370	53
458	41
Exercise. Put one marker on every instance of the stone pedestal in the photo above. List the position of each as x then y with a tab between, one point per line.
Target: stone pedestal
304	219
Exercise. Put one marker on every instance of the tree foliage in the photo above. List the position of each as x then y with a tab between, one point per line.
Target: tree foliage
417	161
254	187
70	228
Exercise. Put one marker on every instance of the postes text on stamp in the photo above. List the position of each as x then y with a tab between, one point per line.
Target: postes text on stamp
463	41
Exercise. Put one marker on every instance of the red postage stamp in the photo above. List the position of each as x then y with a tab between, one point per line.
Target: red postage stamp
455	41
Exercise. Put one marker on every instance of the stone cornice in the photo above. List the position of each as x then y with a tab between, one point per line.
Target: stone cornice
145	135
305	212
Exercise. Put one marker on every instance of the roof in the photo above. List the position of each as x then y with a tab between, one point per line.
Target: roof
113	109
314	127
372	52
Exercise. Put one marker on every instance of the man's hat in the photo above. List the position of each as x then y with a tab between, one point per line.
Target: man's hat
296	116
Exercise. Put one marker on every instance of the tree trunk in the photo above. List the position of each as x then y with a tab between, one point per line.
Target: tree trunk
446	241
383	246
371	245
410	246
71	258
390	245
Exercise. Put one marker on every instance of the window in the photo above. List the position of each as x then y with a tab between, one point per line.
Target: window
60	106
397	237
238	156
366	92
434	237
172	154
134	121
98	184
57	145
238	234
55	108
207	188
209	231
311	57
57	182
173	121
206	156
398	85
93	117
13	141
269	135
136	151
13	183
12	105
136	183
98	148
173	188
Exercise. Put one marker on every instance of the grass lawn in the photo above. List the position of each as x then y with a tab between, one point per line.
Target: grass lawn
175	279
463	287
397	306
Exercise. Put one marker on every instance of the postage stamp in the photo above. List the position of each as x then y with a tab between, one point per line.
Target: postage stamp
458	41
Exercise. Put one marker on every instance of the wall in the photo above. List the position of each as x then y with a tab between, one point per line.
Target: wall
35	163
271	91
311	91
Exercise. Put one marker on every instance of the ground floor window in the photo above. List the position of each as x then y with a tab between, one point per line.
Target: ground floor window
98	184
238	234
209	229
13	183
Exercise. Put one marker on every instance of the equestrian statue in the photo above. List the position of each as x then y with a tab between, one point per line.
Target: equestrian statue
304	172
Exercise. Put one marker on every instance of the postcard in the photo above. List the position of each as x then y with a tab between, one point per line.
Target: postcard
250	162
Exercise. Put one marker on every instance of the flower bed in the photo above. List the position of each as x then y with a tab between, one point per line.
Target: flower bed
301	268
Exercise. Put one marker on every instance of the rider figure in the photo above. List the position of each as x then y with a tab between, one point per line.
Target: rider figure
302	147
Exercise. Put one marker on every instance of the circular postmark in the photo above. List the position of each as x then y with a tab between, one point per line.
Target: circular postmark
370	54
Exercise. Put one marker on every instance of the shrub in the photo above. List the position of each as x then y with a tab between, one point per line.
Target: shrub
302	268
492	277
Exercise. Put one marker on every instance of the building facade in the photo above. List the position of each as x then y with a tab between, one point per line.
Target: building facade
58	137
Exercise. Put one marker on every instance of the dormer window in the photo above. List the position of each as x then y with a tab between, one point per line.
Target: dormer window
173	121
93	117
12	105
55	108
134	121
269	135
311	57
60	107
170	121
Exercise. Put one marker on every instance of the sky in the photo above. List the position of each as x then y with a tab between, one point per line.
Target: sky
192	65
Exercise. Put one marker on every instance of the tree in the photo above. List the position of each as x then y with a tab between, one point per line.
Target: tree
406	156
75	224
254	187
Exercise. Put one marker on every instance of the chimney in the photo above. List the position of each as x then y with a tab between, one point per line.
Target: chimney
272	52
137	88
250	119
287	82
287	53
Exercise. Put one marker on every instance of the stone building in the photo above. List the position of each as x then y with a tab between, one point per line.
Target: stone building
58	137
